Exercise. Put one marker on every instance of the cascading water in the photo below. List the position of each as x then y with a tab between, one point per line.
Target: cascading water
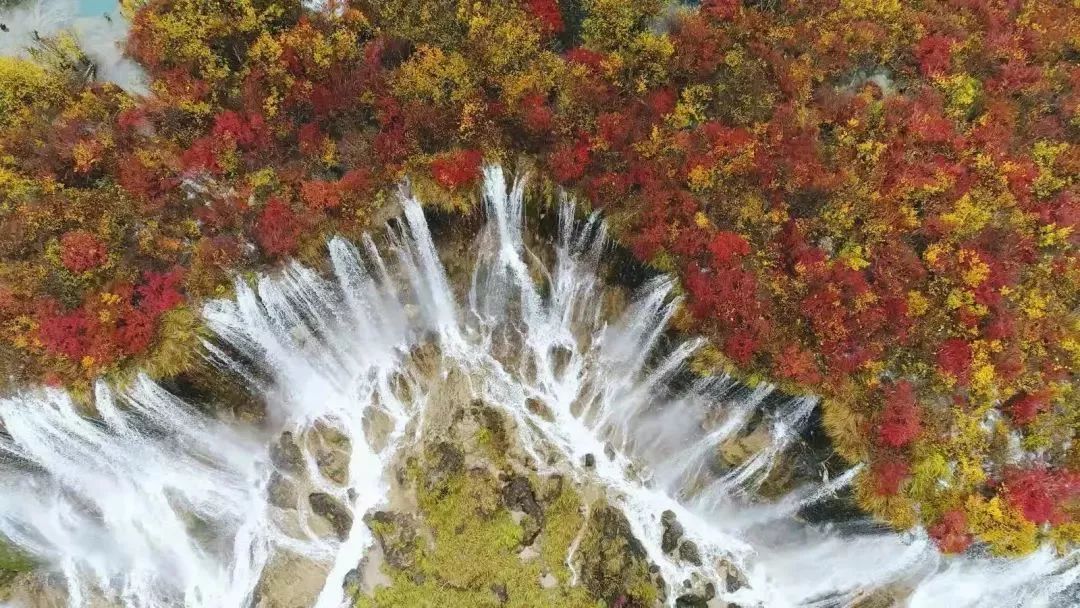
146	502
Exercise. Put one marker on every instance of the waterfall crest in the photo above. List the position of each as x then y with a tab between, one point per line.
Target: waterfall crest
148	502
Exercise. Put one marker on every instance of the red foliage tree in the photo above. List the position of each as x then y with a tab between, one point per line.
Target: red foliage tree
889	474
547	12
720	9
1040	493
355	181
139	181
234	126
457	169
1024	407
319	195
81	251
537	116
900	422
741	346
798	365
933	54
568	162
727	246
134	332
277	230
950	533
310	138
954	358
160	291
201	156
63	333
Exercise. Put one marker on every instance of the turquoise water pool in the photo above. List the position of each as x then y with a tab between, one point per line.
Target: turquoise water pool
93	8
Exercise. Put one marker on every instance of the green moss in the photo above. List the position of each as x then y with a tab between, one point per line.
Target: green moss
491	437
473	557
468	521
613	563
13	560
564	523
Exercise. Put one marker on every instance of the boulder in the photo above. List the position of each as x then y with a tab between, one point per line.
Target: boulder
689	553
672	531
446	462
333	511
282	492
286	454
397	537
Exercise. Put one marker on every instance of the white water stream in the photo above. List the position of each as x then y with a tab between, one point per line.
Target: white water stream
150	503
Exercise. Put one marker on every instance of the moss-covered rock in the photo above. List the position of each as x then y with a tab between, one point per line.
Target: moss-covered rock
333	511
397	537
672	531
614	566
12	563
463	549
477	527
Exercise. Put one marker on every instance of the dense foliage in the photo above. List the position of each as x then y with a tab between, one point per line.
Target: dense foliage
870	200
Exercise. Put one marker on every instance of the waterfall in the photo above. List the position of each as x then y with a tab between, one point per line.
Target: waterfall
144	501
101	39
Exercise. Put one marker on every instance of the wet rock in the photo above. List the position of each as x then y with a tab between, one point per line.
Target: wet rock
528	554
551	488
877	599
548	581
530	529
353	583
698	595
282	492
691	600
518	495
689	553
539	408
332	450
499	589
288	581
733	580
613	562
426	356
673	531
286	454
396	535
589	461
333	511
492	420
609	451
560	358
447	461
737	450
